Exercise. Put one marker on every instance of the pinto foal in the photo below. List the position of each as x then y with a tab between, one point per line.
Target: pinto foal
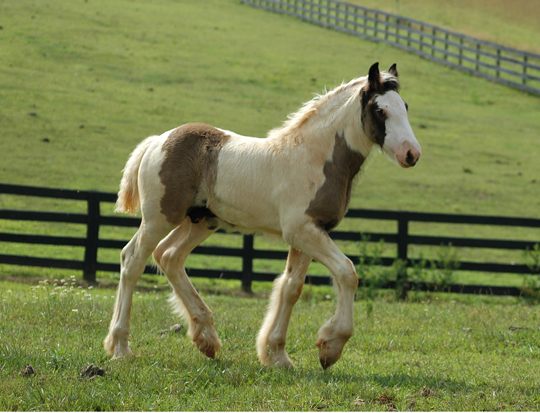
296	183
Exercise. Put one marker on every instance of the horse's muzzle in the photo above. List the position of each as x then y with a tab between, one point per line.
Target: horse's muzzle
407	154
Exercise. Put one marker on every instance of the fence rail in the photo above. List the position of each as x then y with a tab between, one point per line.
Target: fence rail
94	220
489	60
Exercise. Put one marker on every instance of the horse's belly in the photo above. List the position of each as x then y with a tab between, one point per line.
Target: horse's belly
246	214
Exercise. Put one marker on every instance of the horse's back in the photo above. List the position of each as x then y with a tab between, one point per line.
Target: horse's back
247	183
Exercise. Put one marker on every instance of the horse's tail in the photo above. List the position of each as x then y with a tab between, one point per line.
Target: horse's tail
128	196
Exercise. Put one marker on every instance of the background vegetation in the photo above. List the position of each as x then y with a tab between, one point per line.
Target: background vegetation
95	77
82	82
431	353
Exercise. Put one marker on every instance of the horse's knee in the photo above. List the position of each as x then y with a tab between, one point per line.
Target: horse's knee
126	259
126	254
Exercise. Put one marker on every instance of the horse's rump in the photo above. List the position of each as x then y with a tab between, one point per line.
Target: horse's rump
128	196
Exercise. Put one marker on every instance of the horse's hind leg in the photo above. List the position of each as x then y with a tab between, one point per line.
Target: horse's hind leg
171	255
133	261
287	290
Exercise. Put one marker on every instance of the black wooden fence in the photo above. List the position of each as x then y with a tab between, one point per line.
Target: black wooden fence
94	220
489	60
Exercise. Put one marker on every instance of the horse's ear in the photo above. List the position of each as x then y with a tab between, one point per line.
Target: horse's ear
393	70
374	77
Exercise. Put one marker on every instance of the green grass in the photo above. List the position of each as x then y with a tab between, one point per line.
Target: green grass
96	77
434	352
101	76
513	24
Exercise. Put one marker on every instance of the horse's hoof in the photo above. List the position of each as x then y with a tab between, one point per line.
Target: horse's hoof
282	362
123	355
210	353
327	354
206	348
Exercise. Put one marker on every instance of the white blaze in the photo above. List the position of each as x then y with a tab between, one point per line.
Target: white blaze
400	142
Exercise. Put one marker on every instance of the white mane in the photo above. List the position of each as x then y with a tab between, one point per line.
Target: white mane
328	106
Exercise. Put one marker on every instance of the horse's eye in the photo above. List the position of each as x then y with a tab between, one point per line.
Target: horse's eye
381	113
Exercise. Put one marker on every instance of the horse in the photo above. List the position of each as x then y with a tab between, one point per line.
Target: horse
296	184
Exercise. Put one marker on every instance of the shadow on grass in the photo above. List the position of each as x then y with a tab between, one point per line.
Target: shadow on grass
240	374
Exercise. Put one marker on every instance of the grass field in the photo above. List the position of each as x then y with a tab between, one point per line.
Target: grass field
81	83
511	23
96	77
434	352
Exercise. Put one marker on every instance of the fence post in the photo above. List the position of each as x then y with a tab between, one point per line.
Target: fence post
247	263
498	61
92	237
524	79
365	21
328	17
402	286
403	235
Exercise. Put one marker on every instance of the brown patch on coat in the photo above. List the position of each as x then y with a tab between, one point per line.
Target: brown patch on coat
332	198
189	168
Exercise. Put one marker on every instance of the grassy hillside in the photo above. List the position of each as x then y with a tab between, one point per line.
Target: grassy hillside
81	83
512	23
94	78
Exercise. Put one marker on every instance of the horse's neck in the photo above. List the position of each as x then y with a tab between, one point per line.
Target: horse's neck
318	122
345	121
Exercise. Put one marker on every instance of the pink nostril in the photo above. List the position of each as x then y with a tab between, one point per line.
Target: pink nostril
411	159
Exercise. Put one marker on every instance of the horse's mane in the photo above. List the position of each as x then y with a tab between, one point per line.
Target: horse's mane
309	109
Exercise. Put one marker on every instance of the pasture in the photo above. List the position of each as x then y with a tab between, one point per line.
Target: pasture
513	24
89	79
82	83
435	352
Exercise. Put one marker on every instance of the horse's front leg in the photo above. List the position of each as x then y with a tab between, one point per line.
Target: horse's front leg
335	333
287	290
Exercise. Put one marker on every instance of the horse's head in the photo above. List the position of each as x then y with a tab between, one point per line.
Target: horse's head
384	117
